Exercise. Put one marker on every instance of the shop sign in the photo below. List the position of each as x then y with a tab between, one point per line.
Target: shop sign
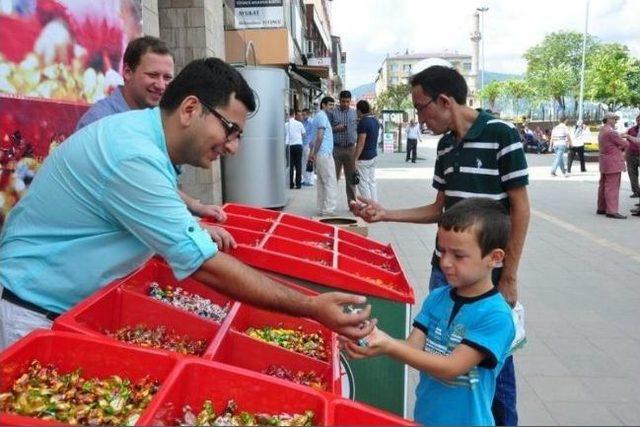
388	141
259	14
319	62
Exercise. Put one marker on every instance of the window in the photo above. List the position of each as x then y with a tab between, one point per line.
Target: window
467	66
394	67
406	68
393	81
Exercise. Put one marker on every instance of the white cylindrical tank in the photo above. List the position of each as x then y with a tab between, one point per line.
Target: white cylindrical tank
256	174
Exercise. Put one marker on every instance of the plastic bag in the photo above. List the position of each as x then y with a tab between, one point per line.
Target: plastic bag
520	339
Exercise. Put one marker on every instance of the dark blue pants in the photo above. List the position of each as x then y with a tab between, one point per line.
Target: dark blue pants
504	406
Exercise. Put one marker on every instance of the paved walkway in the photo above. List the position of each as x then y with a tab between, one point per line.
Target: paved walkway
579	282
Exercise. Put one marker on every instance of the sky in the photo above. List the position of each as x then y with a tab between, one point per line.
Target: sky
371	29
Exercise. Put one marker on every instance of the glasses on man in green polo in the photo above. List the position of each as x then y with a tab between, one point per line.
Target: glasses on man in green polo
231	129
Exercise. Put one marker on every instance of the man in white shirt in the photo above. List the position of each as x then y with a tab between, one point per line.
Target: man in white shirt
561	139
582	134
413	136
294	135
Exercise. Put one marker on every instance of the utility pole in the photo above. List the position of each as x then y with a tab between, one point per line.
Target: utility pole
584	53
482	10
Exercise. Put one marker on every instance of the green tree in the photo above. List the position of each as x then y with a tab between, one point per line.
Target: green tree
517	90
395	98
612	76
553	66
633	80
491	92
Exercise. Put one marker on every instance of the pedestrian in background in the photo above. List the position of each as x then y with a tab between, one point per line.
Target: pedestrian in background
611	146
581	134
344	122
322	158
366	151
632	155
294	135
561	138
413	136
308	177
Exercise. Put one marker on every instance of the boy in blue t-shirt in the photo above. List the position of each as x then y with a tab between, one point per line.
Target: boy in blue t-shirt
464	331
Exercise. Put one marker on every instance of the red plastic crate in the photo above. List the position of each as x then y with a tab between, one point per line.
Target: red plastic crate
97	358
120	308
248	223
251	212
299	250
308	224
372	275
244	237
347	412
248	316
158	271
197	381
238	349
366	244
320	253
317	240
369	257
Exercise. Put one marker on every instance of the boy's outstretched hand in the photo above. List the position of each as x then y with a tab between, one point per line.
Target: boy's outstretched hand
367	209
376	343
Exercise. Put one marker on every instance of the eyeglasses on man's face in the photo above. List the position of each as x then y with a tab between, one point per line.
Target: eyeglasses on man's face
232	130
420	108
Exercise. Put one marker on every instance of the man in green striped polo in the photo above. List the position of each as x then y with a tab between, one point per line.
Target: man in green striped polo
477	156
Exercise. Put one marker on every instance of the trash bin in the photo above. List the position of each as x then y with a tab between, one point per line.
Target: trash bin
323	257
256	174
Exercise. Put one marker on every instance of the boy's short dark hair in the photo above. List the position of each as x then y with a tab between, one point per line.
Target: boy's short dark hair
326	100
437	80
345	94
363	106
487	217
211	80
138	47
306	110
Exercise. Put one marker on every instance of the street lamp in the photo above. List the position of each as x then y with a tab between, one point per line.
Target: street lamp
482	10
584	52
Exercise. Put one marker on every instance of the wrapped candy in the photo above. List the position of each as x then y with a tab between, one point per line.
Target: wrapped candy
43	392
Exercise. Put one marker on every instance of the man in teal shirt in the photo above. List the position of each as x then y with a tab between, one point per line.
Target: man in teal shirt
105	201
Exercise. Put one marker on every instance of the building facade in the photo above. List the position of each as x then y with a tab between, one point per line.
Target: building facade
294	35
397	69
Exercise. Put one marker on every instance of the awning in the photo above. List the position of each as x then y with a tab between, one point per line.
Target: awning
304	76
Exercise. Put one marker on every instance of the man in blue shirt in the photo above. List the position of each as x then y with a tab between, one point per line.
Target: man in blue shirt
307	122
148	69
366	151
105	201
322	158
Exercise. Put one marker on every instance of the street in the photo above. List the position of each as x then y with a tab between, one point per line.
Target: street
579	281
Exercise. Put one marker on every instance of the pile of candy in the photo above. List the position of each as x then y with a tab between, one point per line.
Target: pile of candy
193	303
159	338
43	392
377	282
229	417
310	378
311	345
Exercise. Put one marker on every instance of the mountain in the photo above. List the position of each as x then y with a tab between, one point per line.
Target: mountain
490	76
358	92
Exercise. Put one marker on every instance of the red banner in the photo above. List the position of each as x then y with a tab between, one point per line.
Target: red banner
56	58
